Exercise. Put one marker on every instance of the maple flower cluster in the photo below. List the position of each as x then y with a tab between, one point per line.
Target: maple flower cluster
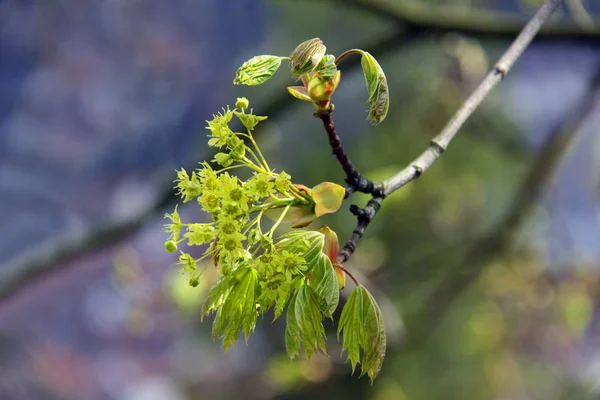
261	271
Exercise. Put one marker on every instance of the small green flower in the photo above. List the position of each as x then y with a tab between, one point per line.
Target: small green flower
260	186
232	191
271	289
290	264
283	182
210	201
199	234
229	226
187	262
249	120
188	187
230	246
175	226
242	103
231	209
219	129
209	179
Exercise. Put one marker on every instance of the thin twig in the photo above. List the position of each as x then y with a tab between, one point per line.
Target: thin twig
540	173
356	182
364	217
440	143
22	273
341	268
31	269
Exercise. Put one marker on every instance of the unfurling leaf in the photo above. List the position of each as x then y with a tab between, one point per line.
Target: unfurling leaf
328	197
362	326
325	285
233	298
377	86
299	92
257	70
341	276
292	329
309	243
299	216
304	323
332	246
306	57
327	68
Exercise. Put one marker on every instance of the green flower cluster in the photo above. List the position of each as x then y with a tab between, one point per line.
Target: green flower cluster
260	272
237	207
234	239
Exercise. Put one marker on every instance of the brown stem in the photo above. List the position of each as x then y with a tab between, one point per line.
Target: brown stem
355	181
341	268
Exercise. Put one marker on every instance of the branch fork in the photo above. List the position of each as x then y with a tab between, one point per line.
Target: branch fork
378	191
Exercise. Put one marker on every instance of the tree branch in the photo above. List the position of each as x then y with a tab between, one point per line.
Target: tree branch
356	182
18	275
411	14
540	173
32	268
442	140
440	143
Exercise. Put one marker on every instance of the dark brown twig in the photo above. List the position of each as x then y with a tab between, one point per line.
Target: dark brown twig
364	217
438	144
356	182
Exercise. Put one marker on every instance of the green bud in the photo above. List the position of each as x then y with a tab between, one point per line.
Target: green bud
320	89
257	70
223	159
307	56
249	120
170	246
242	103
237	147
194	282
341	278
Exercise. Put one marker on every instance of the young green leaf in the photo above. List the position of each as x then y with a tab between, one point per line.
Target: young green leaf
310	243
306	57
331	246
292	329
257	70
379	98
249	120
299	92
328	197
233	297
362	326
297	215
327	68
325	285
304	323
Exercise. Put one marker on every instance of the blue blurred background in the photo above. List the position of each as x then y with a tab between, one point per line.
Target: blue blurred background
487	268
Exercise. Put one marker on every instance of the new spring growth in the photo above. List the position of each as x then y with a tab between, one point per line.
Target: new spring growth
320	76
262	270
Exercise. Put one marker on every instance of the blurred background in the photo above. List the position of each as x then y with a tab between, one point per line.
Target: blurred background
487	269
